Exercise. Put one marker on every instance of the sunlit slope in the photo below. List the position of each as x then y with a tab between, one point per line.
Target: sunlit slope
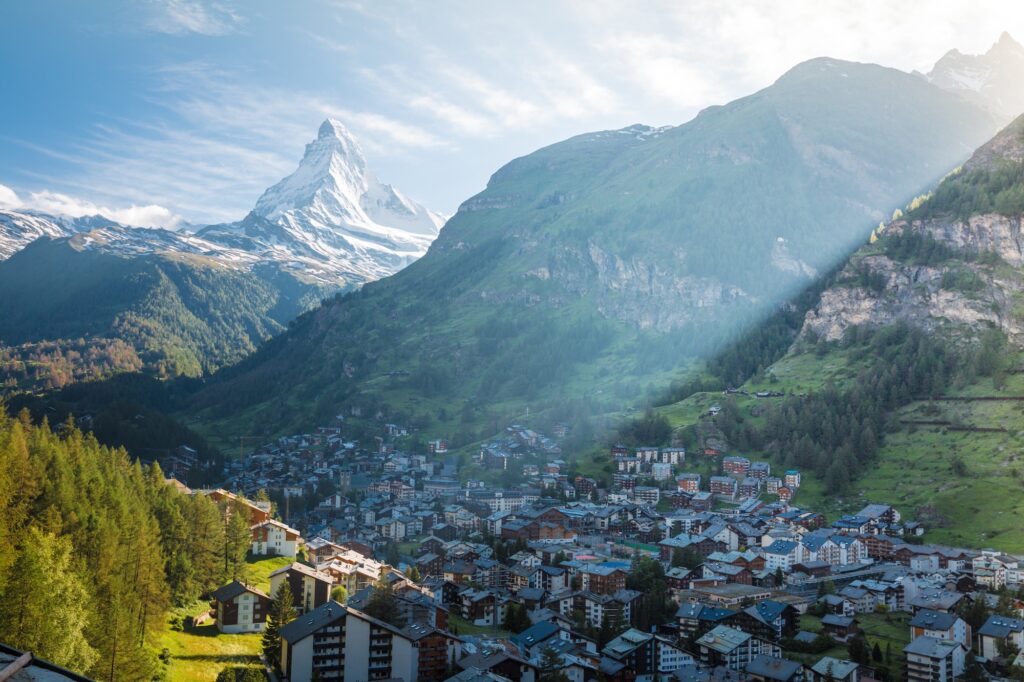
593	268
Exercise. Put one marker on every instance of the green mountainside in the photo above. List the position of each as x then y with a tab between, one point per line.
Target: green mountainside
908	365
590	271
70	312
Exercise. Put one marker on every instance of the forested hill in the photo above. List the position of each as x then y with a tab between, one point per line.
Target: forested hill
930	308
591	269
73	310
97	547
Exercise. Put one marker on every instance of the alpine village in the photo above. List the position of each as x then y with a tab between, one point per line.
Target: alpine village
739	400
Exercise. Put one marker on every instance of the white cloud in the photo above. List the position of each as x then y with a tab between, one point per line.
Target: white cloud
220	144
56	203
8	198
179	17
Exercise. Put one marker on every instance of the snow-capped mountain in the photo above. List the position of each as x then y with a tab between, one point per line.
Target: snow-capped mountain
333	218
331	222
19	228
994	79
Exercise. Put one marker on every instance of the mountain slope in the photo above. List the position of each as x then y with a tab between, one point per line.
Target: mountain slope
596	265
104	298
180	309
953	265
924	327
992	80
332	218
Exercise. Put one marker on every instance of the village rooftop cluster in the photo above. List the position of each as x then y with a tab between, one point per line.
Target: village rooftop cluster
495	582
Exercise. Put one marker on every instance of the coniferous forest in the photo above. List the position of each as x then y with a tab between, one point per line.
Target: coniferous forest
97	547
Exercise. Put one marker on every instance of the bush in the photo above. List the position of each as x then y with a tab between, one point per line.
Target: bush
242	673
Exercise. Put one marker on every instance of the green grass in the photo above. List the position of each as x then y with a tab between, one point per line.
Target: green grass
888	629
914	469
199	653
914	472
462	626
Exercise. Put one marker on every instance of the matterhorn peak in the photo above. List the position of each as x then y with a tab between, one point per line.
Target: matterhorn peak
335	211
1007	40
332	127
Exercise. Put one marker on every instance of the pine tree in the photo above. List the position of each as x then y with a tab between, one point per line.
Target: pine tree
237	541
551	666
46	607
282	612
383	605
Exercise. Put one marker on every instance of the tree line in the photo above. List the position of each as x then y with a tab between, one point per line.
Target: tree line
98	547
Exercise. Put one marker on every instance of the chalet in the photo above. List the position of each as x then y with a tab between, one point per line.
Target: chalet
764	668
940	625
702	501
274	538
792	479
861	600
536	638
634	649
429	564
830	669
781	555
724	486
935	600
999	630
695	619
310	587
839	627
749	487
501	664
760	470
599	609
240	608
689	483
602	578
880	514
736	465
992	569
320	549
929	659
258	511
732	648
482	607
335	642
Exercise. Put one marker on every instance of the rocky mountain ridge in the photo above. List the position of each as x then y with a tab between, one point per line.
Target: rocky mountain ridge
972	279
992	79
331	222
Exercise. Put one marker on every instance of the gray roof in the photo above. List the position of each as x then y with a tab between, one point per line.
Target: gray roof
933	620
1001	626
308	623
841	669
773	668
932	647
233	589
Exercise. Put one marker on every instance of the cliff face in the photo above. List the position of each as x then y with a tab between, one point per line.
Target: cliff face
955	265
960	296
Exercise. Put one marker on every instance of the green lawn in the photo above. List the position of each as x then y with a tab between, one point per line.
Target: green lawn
461	626
199	653
975	507
889	629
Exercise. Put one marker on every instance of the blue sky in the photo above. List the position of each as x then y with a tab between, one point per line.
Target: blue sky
161	110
